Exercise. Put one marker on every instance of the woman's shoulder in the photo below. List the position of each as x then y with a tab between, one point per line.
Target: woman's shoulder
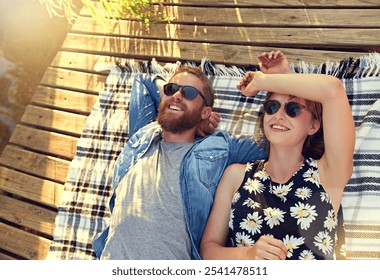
241	170
235	172
235	167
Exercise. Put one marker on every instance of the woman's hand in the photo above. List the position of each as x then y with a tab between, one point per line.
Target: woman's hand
267	248
274	62
248	83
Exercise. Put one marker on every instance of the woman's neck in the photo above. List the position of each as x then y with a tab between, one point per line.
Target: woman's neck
281	167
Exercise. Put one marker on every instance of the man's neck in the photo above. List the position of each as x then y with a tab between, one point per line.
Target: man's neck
187	136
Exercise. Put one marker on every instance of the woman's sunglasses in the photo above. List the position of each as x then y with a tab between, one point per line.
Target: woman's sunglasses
292	109
188	92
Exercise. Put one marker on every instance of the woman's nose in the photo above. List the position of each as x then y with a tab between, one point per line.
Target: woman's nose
280	114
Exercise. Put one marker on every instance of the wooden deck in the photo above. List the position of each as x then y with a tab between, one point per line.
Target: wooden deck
34	165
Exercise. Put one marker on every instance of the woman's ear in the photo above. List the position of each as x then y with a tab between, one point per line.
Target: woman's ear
316	124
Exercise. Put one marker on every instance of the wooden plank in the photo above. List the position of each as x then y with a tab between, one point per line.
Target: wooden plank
64	99
73	80
278	17
81	62
45	141
278	3
291	37
290	17
258	36
59	121
27	215
6	257
22	243
164	50
47	167
27	186
315	43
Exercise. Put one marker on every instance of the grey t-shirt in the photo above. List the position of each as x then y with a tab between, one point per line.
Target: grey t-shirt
148	218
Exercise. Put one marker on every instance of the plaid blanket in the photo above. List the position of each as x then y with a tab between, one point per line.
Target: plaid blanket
83	209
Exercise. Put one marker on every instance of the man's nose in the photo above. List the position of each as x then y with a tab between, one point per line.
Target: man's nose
178	95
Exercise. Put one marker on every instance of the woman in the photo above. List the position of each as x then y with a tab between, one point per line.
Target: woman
286	207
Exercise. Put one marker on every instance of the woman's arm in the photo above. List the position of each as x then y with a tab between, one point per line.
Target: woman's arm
216	232
336	165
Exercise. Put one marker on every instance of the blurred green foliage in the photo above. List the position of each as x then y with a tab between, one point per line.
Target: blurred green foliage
106	11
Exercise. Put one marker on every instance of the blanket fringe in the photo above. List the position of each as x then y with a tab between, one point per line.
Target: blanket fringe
367	65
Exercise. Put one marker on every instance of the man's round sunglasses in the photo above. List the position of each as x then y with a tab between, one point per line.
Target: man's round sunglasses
292	109
188	92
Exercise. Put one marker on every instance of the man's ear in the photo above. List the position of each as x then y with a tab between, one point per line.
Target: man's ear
316	124
206	112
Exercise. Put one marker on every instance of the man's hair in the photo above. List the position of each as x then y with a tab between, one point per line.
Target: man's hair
207	90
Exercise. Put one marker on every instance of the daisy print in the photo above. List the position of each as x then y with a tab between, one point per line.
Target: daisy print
243	240
304	213
248	166
282	191
324	242
325	197
252	224
236	197
311	175
303	193
231	221
312	162
253	186
249	202
273	216
330	222
292	243
306	255
262	175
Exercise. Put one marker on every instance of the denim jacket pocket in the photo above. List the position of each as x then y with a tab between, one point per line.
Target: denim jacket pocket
210	166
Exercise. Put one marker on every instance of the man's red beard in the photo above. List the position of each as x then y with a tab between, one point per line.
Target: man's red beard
177	123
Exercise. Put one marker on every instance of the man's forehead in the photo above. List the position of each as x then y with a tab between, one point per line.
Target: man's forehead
184	76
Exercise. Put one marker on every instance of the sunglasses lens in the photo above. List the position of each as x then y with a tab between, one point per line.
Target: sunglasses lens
189	92
271	106
293	109
170	89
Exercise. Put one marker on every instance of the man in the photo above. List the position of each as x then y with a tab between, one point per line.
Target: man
165	178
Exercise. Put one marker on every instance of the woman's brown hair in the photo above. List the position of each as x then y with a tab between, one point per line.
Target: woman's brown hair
314	146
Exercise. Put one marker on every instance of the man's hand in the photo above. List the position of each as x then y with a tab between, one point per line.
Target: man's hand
208	126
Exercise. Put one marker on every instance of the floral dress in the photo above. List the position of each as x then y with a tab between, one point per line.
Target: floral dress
298	212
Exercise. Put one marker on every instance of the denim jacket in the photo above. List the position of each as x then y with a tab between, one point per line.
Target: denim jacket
200	171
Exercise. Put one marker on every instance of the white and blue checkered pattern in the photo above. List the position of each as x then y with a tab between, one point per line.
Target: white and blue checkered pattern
84	203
